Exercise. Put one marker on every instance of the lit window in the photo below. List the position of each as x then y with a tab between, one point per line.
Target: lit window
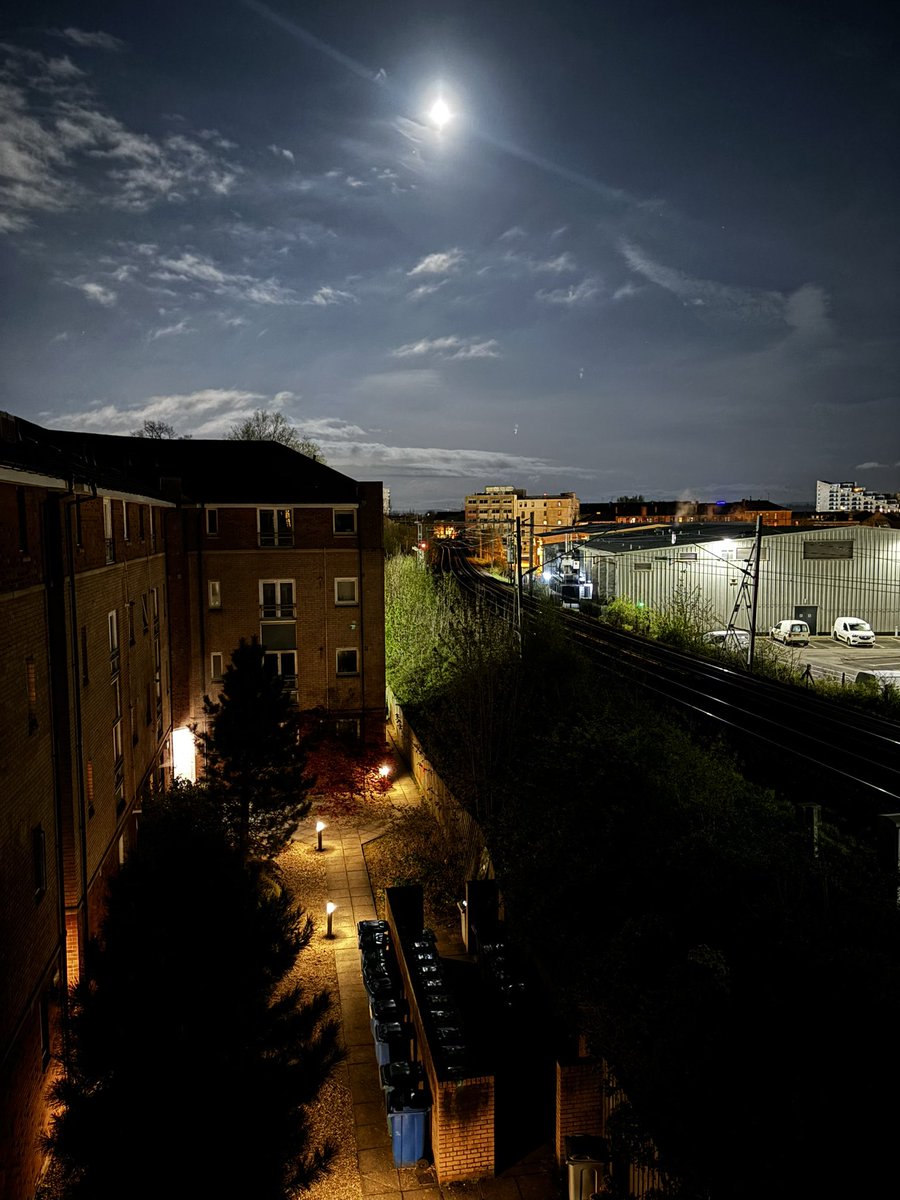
347	662
215	593
345	520
345	591
276	527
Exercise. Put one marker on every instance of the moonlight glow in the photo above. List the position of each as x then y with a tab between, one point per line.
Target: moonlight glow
440	113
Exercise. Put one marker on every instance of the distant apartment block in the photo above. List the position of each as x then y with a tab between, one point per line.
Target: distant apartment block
129	570
851	497
499	505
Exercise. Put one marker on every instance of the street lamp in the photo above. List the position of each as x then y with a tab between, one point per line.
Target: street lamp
329	918
320	825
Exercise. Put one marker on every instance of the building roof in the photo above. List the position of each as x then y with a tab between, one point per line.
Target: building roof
184	470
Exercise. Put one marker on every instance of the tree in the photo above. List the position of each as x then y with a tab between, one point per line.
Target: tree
159	430
194	1053
347	772
254	759
274	427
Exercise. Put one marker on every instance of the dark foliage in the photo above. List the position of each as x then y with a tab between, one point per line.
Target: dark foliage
254	759
192	1059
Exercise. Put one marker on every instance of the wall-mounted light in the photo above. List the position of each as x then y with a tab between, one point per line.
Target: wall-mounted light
320	825
329	918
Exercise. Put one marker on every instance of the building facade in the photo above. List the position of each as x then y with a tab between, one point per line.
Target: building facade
851	497
813	575
129	570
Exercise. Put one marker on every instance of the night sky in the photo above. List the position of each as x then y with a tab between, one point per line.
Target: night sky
655	249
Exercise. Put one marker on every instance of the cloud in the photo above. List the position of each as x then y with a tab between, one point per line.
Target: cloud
752	306
626	290
209	412
326	296
582	293
450	348
806	311
171	331
513	234
97	292
92	41
873	466
199	268
438	264
425	289
431	462
280	152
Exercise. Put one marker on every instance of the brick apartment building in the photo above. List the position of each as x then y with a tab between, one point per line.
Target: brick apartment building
129	570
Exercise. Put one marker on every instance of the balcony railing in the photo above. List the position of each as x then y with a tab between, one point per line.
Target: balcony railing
286	612
282	538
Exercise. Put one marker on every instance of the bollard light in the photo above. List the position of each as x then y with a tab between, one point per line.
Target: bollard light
320	825
329	918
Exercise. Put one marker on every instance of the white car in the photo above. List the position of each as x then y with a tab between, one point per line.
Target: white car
731	639
853	631
790	633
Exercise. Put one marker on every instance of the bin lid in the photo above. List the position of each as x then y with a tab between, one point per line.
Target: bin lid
388	1031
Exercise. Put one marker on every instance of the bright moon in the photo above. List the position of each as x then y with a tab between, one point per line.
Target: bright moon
440	113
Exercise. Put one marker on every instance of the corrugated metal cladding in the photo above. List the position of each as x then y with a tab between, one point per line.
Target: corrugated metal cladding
830	572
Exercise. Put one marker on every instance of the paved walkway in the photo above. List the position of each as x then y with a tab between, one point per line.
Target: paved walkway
349	888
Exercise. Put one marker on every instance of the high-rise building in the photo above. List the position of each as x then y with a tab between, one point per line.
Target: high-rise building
852	497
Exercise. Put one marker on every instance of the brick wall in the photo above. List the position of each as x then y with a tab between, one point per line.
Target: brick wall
579	1101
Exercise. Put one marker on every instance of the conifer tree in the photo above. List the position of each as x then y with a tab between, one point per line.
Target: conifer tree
194	1054
254	758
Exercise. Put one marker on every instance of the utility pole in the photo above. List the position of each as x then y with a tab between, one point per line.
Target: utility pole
754	594
519	575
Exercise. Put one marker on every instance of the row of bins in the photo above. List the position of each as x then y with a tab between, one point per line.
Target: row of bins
402	1080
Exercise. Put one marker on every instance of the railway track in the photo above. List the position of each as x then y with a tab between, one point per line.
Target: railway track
859	754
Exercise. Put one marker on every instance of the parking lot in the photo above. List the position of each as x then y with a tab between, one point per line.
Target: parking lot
836	661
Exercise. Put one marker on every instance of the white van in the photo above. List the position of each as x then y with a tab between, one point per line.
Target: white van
791	633
854	631
884	679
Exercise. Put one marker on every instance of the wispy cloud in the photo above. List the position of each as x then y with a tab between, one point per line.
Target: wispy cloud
280	152
748	305
326	296
209	412
97	292
170	331
581	293
875	466
98	40
425	289
431	462
199	268
438	264
451	347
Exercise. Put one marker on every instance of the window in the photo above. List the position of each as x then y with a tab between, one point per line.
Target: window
79	532
152	528
145	613
148	705
215	593
212	521
141	521
121	848
112	621
117	723
89	786
31	693
829	550
276	527
39	860
345	520
126	529
690	556
345	590
643	566
154	608
85	674
216	666
130	622
347	662
108	530
284	663
276	598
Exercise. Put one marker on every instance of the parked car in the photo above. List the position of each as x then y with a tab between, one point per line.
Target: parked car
730	639
791	633
854	631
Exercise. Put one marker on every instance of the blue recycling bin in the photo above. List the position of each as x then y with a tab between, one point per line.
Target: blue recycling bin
391	1042
407	1118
